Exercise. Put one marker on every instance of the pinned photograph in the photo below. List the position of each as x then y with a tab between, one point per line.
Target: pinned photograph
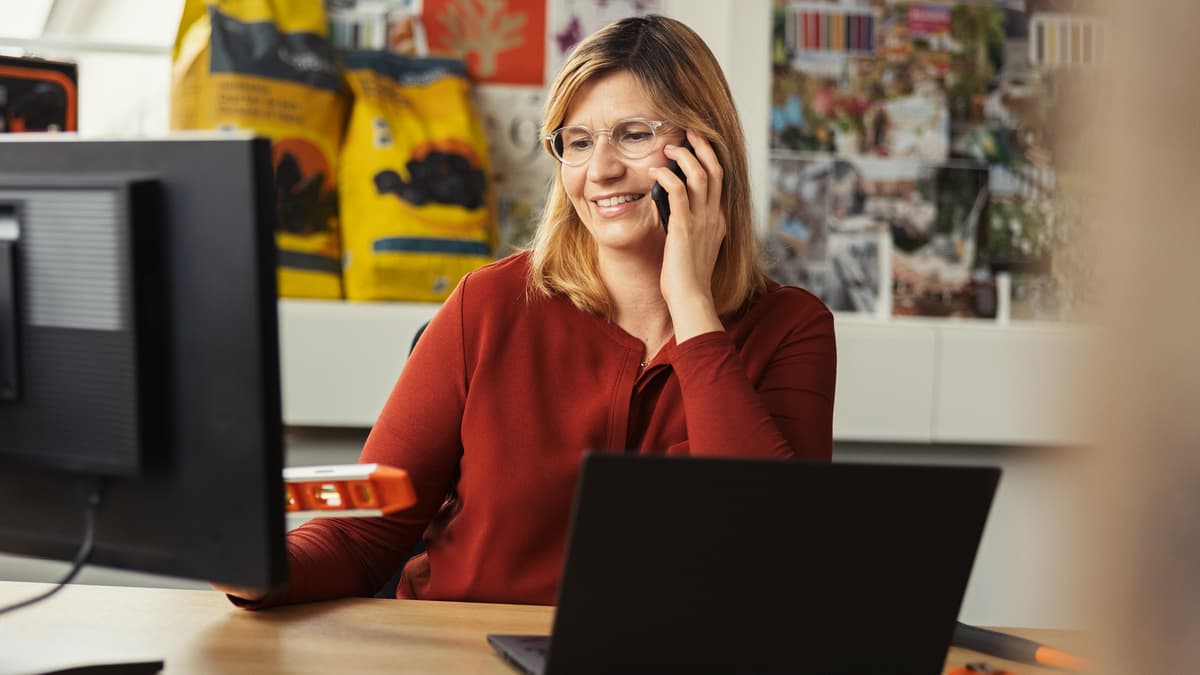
521	168
569	21
821	239
501	40
937	215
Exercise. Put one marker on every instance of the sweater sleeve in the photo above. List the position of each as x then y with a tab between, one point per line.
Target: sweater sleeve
418	431
787	413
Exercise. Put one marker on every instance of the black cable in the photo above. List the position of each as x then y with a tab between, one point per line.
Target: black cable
90	513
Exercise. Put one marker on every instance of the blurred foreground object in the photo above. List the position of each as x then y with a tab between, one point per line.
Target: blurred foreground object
1145	389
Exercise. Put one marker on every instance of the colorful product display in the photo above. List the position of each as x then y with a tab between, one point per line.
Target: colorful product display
417	205
818	26
265	66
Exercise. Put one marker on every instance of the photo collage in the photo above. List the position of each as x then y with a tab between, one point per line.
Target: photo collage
913	163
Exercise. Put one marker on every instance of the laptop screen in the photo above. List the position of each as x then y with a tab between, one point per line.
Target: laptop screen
727	565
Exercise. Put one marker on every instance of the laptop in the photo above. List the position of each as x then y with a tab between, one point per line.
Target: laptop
691	565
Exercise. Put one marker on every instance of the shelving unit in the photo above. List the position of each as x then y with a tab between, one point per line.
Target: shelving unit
916	381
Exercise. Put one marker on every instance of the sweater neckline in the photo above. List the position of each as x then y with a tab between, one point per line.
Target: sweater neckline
631	342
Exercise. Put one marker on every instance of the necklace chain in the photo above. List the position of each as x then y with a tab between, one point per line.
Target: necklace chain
649	356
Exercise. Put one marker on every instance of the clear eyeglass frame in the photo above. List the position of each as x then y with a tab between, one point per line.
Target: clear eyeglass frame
625	146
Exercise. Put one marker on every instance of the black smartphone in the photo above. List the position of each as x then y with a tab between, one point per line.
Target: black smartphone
659	195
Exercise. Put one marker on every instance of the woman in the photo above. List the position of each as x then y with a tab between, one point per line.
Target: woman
610	334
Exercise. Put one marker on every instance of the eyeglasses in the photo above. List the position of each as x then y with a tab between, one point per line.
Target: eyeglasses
633	138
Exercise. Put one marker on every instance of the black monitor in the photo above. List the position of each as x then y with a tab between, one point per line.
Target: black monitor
139	355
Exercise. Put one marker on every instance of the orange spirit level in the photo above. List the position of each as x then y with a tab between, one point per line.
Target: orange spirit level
347	490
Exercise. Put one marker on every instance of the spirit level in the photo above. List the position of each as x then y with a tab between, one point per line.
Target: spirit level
346	490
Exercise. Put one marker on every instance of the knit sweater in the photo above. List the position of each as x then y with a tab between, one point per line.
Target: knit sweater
503	394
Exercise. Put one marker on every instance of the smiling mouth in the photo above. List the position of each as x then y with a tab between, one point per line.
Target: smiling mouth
614	201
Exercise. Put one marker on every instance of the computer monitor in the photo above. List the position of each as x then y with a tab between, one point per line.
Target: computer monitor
139	353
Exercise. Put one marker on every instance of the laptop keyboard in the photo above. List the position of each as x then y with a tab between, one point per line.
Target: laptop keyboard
535	644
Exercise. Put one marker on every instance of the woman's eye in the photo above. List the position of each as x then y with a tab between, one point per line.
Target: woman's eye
579	144
636	137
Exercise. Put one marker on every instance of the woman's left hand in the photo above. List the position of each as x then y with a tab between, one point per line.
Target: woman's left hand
694	235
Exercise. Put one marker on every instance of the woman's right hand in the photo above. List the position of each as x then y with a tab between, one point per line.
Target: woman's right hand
694	240
249	595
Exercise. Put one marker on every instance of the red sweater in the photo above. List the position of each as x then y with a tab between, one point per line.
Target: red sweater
502	396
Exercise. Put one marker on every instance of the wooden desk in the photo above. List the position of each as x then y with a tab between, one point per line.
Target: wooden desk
200	632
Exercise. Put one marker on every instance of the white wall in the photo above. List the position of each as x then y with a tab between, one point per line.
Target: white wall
738	32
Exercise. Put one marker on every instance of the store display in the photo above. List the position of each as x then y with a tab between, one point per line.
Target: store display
417	203
266	66
388	25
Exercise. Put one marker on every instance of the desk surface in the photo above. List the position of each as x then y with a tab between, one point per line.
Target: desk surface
200	632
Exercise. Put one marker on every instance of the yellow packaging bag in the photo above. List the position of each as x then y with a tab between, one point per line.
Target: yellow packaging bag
417	204
266	66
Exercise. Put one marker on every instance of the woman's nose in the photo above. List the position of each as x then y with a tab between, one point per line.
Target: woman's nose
605	162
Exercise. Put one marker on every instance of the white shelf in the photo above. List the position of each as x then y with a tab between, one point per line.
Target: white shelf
339	360
1014	385
885	381
916	381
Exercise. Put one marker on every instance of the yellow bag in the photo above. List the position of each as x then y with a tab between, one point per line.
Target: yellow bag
266	66
417	204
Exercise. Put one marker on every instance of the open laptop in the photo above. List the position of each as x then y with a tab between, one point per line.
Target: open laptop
681	565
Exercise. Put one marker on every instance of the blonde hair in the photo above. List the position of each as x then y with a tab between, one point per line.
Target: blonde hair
682	76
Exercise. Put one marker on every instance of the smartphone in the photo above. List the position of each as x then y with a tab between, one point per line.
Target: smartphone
659	195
